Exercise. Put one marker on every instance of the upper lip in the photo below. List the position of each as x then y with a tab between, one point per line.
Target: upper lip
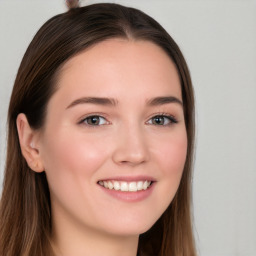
129	178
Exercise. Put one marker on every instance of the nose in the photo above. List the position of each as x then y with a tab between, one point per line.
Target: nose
131	147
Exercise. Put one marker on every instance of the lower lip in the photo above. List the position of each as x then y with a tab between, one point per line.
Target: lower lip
130	196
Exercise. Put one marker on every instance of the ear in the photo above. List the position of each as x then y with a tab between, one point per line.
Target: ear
29	143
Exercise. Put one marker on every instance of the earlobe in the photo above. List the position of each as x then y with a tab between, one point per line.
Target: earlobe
28	139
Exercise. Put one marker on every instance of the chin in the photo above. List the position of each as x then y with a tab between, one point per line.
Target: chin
130	228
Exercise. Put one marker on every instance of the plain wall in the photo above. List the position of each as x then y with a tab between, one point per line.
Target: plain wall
218	39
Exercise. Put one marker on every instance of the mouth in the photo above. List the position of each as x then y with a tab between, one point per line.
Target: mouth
124	186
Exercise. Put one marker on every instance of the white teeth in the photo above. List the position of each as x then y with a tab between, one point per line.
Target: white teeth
140	185
110	185
126	186
116	185
145	185
132	186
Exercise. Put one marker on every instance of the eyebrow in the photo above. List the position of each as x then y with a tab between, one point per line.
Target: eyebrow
164	100
112	102
94	100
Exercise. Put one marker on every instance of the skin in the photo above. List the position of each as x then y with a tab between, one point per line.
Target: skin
128	142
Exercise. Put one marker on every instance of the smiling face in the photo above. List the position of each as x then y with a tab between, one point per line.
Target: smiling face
117	121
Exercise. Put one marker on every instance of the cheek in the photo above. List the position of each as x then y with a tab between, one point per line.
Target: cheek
174	155
169	154
172	152
171	157
67	155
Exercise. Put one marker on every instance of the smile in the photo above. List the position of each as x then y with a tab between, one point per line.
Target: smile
125	186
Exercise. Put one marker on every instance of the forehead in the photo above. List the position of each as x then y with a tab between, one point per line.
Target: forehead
120	67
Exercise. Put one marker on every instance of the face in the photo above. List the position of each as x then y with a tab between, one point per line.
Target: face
114	142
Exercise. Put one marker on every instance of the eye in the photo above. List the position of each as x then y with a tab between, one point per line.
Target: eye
162	120
94	120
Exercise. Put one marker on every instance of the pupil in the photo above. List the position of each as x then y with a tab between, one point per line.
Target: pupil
158	120
94	120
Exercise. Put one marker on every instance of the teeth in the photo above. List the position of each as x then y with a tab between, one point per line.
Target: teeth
117	186
126	186
145	185
105	184
110	185
133	186
140	185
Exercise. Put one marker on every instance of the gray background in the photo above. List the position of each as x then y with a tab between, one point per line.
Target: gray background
218	39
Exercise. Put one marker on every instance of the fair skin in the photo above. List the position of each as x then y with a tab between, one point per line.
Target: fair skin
117	117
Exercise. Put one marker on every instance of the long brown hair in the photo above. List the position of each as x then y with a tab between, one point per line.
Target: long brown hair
25	209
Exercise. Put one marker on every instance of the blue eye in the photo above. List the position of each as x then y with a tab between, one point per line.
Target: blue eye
162	120
94	120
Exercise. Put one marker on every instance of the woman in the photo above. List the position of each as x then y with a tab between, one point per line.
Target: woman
100	142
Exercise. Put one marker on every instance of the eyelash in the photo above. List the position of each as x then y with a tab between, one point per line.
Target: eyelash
171	120
85	120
